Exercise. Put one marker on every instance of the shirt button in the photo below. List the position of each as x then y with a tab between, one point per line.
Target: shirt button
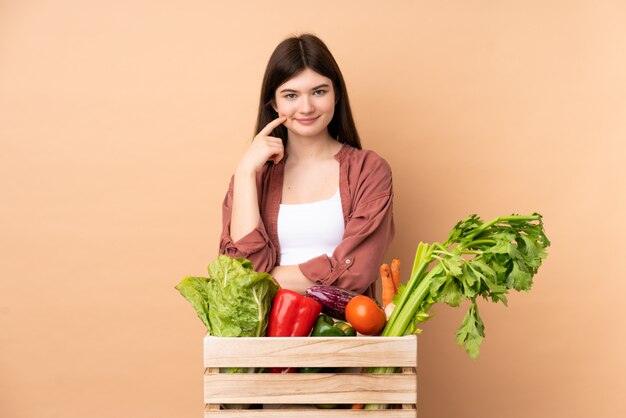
347	261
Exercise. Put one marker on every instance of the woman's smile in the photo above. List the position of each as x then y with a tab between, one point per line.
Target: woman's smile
306	121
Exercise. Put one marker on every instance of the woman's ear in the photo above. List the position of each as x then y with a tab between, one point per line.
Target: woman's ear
273	103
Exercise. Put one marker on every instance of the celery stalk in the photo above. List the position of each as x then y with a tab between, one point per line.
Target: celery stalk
479	258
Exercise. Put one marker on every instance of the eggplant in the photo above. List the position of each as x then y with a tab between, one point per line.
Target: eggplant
332	298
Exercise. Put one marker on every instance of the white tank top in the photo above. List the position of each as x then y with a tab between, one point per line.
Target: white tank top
307	230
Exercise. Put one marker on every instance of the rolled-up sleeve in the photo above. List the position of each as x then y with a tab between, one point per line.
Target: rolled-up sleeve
255	246
369	230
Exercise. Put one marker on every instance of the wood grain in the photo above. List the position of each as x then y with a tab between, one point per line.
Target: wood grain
311	352
307	388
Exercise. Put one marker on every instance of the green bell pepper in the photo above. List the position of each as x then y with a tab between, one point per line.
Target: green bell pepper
325	327
346	328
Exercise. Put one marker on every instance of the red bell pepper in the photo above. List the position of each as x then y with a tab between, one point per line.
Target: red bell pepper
292	315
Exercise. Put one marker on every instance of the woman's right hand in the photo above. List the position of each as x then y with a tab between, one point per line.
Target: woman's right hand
264	148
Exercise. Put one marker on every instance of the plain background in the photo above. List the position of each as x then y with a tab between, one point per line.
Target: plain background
121	122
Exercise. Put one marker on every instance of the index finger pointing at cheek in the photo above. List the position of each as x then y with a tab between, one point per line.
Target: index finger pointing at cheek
272	125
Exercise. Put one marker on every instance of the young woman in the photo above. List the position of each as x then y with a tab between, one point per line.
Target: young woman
306	203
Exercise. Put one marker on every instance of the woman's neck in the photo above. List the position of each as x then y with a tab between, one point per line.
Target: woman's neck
308	148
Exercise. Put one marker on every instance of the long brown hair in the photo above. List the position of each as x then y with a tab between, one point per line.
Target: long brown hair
292	56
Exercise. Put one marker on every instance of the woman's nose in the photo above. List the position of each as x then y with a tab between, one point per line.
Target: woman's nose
307	105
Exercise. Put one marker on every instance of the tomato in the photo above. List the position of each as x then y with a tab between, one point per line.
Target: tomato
365	315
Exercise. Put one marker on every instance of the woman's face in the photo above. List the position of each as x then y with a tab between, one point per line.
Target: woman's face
308	101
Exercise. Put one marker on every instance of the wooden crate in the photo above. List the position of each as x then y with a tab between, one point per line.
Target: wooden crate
399	389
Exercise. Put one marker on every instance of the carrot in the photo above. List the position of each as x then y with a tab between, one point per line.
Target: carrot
395	272
389	290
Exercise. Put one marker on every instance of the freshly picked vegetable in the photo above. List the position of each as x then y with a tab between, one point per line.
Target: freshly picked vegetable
333	299
292	314
234	301
346	328
485	259
479	258
365	315
325	326
390	279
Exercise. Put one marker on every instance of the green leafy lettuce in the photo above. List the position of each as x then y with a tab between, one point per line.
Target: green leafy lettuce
234	301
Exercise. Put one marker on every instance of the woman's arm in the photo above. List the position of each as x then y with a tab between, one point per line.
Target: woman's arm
290	277
354	265
245	214
243	233
255	245
245	206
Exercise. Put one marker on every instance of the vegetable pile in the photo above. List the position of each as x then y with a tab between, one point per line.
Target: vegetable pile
478	259
363	313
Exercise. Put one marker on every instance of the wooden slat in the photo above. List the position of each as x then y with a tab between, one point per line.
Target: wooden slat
306	388
410	371
212	406
317	413
311	352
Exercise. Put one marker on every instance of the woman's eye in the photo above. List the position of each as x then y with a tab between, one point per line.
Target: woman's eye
290	96
319	92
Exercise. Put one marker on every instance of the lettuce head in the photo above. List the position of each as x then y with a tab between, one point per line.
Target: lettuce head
234	301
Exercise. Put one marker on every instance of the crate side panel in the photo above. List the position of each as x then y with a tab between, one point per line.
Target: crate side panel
307	388
311	352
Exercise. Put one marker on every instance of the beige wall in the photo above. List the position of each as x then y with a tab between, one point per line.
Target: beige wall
121	121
